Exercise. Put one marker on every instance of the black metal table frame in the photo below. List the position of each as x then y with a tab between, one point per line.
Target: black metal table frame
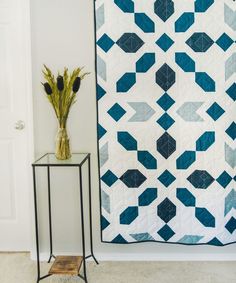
87	158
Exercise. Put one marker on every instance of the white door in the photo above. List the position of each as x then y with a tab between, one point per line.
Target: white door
15	139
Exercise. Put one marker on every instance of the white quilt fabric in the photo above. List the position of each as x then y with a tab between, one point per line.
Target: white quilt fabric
166	93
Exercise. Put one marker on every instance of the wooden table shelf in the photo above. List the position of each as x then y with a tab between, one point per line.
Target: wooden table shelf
67	265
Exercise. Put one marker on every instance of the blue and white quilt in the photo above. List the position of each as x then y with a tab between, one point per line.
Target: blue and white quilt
166	96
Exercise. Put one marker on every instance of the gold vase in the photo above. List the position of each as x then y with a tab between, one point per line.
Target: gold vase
62	144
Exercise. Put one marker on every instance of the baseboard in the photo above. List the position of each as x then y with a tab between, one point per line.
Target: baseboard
167	257
153	257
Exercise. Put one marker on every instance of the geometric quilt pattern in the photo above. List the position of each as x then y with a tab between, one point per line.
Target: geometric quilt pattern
166	100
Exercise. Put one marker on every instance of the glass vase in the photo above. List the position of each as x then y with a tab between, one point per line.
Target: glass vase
62	145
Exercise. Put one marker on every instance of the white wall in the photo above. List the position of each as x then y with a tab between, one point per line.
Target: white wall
63	35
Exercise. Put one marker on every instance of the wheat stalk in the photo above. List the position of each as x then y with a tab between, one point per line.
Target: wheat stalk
62	98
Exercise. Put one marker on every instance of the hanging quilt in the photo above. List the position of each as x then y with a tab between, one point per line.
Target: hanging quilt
166	97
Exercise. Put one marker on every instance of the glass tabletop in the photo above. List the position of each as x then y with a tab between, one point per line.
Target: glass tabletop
76	159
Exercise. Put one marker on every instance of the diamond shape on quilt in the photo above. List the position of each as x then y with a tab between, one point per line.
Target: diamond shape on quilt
105	42
133	178
166	232
166	145
165	102
232	91
164	9
166	210
166	178
231	131
224	42
165	42
224	179
101	131
100	92
119	239
200	179
215	111
165	121
215	242
231	225
116	112
109	178
165	77
130	42
104	223
200	42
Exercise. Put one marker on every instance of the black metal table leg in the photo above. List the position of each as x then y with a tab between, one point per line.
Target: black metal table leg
50	214
36	226
82	223
90	210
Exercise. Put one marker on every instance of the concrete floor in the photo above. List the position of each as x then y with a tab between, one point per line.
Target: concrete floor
18	268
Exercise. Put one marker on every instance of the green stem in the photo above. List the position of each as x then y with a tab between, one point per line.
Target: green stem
60	114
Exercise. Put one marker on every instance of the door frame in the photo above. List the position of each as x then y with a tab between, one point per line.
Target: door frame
26	54
23	16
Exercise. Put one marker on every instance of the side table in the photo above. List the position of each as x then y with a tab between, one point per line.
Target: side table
69	265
